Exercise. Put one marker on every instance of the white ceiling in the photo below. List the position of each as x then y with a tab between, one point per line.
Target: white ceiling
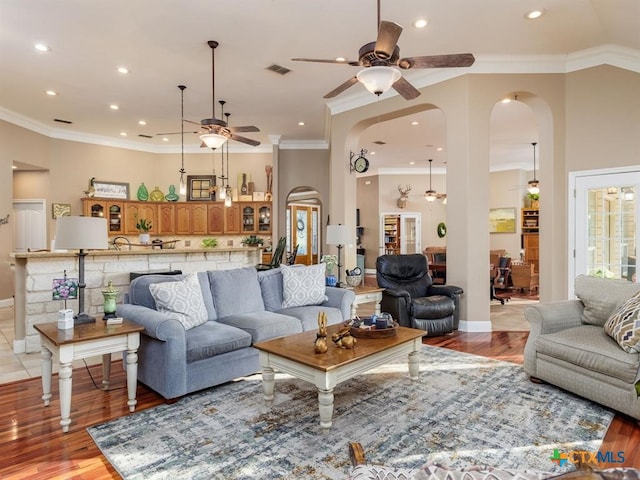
164	44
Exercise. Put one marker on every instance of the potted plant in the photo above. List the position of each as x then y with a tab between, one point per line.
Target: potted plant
144	226
252	241
534	199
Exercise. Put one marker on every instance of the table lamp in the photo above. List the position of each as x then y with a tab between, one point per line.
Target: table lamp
81	233
338	235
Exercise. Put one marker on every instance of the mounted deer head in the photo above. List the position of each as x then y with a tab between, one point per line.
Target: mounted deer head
404	195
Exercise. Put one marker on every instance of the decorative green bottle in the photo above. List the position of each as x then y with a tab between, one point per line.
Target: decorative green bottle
143	193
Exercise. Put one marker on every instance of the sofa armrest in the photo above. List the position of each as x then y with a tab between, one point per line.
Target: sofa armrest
156	325
548	318
340	298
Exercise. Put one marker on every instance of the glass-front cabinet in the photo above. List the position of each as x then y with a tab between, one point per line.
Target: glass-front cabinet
248	218
264	218
111	210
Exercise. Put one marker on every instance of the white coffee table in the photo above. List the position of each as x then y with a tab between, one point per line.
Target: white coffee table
295	356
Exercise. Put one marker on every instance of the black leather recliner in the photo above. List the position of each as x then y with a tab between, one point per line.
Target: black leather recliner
412	299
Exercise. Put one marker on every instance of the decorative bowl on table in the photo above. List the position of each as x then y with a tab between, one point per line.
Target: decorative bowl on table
353	280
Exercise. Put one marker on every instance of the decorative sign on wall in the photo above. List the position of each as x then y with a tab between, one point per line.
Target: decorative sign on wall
60	210
111	189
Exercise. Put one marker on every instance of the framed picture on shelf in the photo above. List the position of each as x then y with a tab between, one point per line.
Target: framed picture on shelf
111	189
201	188
502	220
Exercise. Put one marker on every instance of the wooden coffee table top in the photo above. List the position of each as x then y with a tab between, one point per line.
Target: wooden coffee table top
299	347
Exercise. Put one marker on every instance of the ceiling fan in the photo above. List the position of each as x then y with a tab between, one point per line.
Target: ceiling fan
380	59
216	131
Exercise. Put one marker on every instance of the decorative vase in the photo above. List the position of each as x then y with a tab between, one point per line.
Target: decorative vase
244	189
156	195
172	196
144	238
143	193
109	307
332	281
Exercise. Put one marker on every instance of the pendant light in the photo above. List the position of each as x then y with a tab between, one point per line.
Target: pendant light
534	185
227	188
430	195
223	189
211	139
183	186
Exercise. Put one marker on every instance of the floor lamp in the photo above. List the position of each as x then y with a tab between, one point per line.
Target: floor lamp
81	233
338	235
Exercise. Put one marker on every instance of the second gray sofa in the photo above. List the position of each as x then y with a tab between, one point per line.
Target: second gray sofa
243	307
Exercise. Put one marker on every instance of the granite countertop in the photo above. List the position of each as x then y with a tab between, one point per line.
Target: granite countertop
138	251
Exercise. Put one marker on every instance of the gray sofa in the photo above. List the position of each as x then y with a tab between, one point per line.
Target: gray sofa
568	346
243	306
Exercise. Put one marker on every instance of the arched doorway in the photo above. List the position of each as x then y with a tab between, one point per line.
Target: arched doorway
302	223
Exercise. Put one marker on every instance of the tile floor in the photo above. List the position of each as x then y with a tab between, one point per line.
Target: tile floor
22	365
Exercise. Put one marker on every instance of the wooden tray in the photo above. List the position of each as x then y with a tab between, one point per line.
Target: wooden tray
374	333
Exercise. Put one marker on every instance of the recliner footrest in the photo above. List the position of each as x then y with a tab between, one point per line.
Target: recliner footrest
433	307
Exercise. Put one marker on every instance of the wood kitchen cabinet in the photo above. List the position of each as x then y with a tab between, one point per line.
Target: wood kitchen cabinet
531	246
249	223
232	219
109	209
166	218
136	210
215	218
263	212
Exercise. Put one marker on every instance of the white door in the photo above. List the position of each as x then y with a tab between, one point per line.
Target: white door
411	239
606	225
30	225
400	233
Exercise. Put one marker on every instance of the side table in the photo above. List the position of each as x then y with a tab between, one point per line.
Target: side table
365	294
84	341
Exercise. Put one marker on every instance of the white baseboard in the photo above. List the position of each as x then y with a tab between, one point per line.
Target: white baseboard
475	327
19	346
6	302
371	271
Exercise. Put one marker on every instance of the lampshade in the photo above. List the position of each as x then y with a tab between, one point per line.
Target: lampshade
378	79
533	187
337	234
87	233
213	140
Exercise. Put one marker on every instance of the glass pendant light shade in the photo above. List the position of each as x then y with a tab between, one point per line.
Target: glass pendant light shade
533	187
222	194
378	79
430	195
182	189
227	198
213	140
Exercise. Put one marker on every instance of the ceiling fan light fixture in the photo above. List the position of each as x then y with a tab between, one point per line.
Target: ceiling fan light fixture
213	140
534	187
378	80
430	195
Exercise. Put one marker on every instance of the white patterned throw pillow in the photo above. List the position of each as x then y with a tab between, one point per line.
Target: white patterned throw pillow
303	285
624	325
181	300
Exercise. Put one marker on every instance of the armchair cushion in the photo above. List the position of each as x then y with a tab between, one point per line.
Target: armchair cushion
624	325
602	297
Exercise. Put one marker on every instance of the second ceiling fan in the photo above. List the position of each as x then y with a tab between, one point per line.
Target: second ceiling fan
217	131
380	59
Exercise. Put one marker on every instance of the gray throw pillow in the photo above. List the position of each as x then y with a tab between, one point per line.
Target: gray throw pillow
602	296
236	291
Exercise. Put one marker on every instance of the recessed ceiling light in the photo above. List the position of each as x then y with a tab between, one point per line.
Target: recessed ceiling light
414	123
41	47
439	149
533	14
123	134
372	153
367	182
412	163
114	107
420	23
14	167
123	70
341	59
165	139
51	93
141	122
301	124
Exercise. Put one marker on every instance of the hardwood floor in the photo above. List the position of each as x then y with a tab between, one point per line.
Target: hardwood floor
33	446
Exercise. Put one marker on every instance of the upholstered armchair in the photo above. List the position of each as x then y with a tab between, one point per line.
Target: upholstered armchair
411	297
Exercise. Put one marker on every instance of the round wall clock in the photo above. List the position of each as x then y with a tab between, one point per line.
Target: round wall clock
442	229
361	164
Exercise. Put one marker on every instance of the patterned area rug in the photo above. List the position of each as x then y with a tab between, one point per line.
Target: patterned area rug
464	410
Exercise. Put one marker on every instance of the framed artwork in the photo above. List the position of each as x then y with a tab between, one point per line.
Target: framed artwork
502	220
111	189
60	210
201	188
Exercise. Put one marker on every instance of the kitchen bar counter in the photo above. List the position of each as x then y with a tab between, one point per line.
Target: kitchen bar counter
35	271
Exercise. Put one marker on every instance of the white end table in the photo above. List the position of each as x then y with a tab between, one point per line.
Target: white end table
87	340
365	294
